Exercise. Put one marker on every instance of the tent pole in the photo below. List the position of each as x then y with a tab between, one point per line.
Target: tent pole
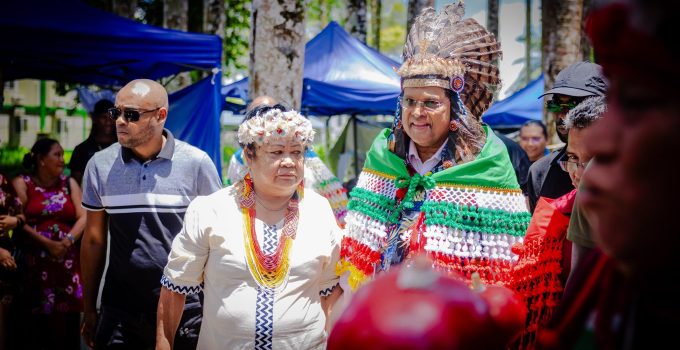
356	142
328	134
43	107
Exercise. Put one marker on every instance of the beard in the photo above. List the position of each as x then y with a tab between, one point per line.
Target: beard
142	136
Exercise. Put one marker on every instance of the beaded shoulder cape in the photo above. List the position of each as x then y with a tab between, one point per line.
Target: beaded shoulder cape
471	214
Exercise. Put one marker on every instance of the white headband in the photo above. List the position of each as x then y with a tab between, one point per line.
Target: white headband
275	124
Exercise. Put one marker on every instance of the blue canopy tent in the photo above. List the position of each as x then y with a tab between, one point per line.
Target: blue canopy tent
72	42
341	76
518	108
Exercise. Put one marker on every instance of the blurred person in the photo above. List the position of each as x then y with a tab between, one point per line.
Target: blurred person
11	222
621	295
54	225
264	250
544	264
138	190
102	135
439	182
533	138
572	85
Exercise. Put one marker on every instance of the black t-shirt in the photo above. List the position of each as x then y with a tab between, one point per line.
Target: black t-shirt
547	179
82	154
518	158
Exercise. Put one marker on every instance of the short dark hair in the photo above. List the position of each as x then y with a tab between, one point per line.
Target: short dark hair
537	123
102	106
40	148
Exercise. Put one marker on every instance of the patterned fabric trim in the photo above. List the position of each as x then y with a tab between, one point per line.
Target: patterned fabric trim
326	292
466	228
186	290
264	306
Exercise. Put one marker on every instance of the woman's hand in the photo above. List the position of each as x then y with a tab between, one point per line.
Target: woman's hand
8	222
7	260
57	249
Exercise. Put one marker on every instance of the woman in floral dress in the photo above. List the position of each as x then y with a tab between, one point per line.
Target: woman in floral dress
54	224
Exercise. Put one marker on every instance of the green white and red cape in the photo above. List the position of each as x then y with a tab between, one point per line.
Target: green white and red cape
470	217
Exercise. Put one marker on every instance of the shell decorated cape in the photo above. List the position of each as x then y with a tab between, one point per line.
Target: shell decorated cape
467	219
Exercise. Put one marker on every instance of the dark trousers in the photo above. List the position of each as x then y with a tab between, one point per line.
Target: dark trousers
119	329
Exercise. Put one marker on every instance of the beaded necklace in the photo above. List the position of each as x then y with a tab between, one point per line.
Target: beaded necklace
268	270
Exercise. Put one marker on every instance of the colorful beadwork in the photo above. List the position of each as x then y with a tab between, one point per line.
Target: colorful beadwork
268	270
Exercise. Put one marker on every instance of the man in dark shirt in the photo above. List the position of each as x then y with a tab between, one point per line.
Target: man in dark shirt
102	135
518	158
572	85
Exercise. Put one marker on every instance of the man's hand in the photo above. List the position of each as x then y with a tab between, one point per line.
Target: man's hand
89	328
8	222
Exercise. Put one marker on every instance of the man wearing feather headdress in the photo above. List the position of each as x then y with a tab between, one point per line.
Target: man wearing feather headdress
439	181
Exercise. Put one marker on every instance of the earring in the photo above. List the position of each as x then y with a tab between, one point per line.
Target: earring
453	126
399	124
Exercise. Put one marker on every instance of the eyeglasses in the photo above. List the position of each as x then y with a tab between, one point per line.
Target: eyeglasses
559	106
130	115
570	165
430	105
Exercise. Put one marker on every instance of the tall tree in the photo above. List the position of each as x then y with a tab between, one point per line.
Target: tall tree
376	20
277	49
414	9
356	19
586	46
124	8
561	43
236	36
214	17
492	17
527	39
175	14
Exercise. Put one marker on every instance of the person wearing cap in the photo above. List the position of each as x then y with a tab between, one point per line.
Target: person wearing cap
621	296
102	135
439	182
572	85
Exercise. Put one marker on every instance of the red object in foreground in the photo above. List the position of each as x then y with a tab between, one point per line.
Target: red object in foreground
416	307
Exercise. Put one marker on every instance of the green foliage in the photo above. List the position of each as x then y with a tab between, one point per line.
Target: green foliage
227	152
236	34
320	151
12	157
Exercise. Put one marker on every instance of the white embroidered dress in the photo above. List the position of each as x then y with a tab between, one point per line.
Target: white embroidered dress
209	254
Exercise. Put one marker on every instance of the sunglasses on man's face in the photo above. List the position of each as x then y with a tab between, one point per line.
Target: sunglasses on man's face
560	106
130	115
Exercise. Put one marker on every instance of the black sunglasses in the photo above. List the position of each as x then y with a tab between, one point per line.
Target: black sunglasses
130	115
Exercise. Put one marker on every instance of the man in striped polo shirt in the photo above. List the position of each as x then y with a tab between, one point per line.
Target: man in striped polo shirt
138	190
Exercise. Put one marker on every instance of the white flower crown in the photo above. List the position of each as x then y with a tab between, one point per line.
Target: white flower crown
275	124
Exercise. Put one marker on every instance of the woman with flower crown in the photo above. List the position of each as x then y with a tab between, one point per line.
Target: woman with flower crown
263	250
439	182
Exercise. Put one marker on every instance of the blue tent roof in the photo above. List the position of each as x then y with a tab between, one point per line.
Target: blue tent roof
341	75
70	41
522	106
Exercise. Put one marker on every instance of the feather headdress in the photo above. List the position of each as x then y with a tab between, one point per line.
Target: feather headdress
453	53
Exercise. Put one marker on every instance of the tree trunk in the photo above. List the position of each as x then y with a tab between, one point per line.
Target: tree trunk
586	46
175	14
561	44
124	8
527	40
492	17
414	9
214	17
277	50
376	12
356	19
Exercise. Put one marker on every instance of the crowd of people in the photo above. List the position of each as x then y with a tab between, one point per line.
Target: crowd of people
142	247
